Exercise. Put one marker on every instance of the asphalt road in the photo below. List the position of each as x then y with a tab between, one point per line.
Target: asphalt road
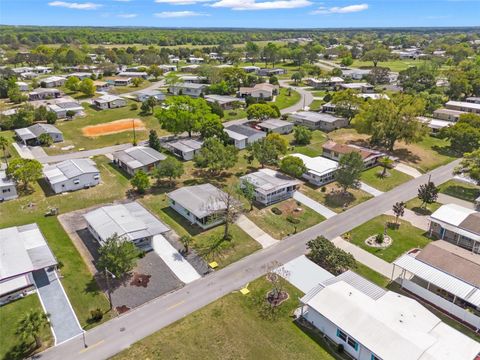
118	334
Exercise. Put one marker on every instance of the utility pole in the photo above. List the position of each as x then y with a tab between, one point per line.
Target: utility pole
134	136
107	273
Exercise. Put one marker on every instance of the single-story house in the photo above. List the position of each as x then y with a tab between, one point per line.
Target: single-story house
60	108
52	82
167	68
260	91
143	95
363	87
194	79
24	250
470	107
29	75
22	86
71	175
473	99
329	108
109	101
186	148
325	83
42	69
270	72
43	94
190	89
276	126
190	68
250	69
30	135
101	85
373	96
448	114
202	205
320	170
133	74
138	158
243	135
130	221
80	75
318	121
8	186
225	102
446	276
372	323
195	60
122	81
271	186
355	74
435	125
457	225
334	151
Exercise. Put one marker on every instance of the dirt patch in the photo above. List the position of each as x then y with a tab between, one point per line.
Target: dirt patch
113	127
140	280
122	309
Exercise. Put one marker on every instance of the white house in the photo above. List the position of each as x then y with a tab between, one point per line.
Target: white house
101	85
22	86
470	107
226	102
53	81
80	75
320	170
143	95
335	151
318	121
276	126
195	60
363	87
190	89
30	135
63	105
109	101
71	175
138	158
243	135
259	91
270	72
133	74
202	205
130	221
448	114
8	188
44	93
371	323
271	186
185	149
355	74
325	83
122	81
194	79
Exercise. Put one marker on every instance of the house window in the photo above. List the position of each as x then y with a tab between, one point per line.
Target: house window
352	343
375	357
6	190
173	202
341	335
96	177
76	181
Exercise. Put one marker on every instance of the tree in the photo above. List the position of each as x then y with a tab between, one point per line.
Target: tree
232	207
148	106
25	170
72	83
87	87
302	135
279	141
260	112
293	166
417	79
15	95
153	140
428	193
264	151
398	210
464	135
297	77
136	82
186	240
45	140
350	167
155	71
117	255
378	75
216	109
323	253
377	55
31	325
4	146
346	103
458	85
385	162
51	117
388	121
216	156
169	168
140	181
346	61
470	165
211	126
248	191
252	51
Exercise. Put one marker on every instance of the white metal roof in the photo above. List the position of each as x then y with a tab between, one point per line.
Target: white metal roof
318	165
200	200
108	98
452	214
268	180
139	156
463	104
440	279
69	169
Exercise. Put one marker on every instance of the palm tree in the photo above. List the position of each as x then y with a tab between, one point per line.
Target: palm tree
386	163
186	240
31	325
4	146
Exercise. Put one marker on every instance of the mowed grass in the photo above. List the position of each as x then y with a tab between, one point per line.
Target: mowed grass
415	205
372	177
286	98
72	130
334	200
405	237
394	65
370	274
78	282
313	149
10	315
460	190
231	328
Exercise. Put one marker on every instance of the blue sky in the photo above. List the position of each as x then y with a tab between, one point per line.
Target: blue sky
242	13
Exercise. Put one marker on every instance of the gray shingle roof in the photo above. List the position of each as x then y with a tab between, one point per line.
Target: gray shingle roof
200	200
243	130
139	156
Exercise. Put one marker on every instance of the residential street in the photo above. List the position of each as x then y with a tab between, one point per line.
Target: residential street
112	337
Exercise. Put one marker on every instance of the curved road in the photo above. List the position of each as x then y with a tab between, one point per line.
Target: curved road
118	334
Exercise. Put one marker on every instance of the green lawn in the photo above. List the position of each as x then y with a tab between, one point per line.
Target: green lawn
394	65
10	344
283	100
461	190
77	280
415	205
72	130
371	275
117	90
231	328
395	178
319	93
404	238
316	105
11	152
277	225
314	148
332	199
234	114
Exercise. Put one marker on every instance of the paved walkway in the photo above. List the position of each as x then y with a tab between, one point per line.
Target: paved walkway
255	232
406	169
82	154
369	189
413	218
55	303
23	151
314	205
174	260
447	199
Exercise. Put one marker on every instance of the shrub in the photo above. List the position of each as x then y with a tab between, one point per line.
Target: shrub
379	238
323	189
276	211
134	107
96	315
292	220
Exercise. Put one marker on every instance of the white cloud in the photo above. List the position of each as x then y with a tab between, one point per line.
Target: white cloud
341	10
178	14
75	5
265	5
122	0
127	16
181	2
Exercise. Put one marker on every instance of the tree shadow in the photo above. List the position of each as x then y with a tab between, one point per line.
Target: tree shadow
421	211
445	151
20	351
406	155
339	199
